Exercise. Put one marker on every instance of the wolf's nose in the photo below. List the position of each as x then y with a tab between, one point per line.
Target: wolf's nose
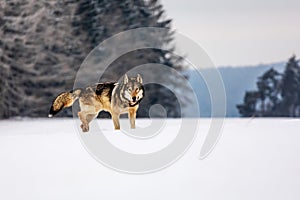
133	99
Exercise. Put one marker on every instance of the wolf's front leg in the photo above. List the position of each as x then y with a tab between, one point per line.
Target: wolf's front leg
115	118
132	116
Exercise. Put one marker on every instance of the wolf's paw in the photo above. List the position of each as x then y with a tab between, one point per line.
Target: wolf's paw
85	128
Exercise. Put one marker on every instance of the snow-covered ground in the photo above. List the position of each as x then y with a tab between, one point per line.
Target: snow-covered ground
254	159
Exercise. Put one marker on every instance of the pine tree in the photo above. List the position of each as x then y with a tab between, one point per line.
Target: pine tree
290	88
269	90
278	95
249	107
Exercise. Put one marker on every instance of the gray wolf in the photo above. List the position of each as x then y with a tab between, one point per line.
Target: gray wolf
115	98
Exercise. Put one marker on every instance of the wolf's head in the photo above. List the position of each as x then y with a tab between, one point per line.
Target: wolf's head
133	89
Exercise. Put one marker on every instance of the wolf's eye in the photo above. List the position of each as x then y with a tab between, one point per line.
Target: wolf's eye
129	89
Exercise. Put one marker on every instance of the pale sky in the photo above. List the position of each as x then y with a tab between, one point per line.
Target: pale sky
239	32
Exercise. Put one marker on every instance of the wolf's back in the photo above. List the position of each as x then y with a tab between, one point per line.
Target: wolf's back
64	100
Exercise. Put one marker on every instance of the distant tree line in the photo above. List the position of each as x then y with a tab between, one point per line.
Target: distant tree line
43	43
277	94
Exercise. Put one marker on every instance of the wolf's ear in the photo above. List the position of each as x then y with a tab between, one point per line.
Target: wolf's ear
125	79
139	78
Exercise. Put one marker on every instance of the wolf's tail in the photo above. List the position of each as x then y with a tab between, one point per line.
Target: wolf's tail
64	100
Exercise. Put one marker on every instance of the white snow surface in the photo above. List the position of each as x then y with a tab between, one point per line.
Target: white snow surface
257	159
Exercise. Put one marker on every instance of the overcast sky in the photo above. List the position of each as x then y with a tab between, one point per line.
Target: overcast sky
239	32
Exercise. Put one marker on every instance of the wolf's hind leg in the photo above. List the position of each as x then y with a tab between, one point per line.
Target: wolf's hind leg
115	118
83	118
90	117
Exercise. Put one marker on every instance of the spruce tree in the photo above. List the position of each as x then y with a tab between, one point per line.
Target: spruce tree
42	44
101	19
38	55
